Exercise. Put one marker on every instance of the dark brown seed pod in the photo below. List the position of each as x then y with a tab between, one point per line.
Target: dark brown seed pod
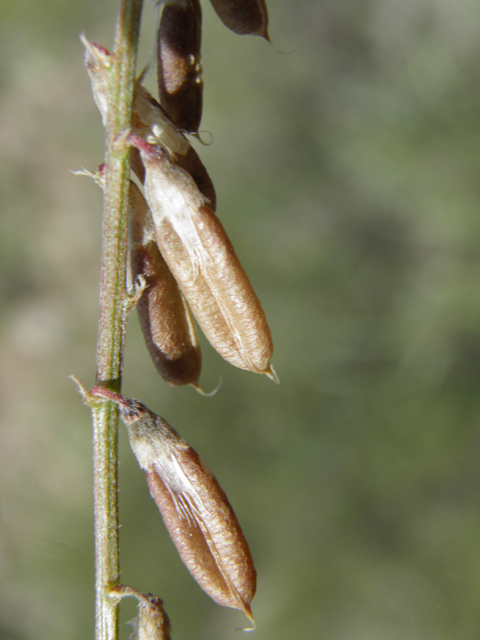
192	164
137	165
179	65
202	260
167	323
244	17
196	511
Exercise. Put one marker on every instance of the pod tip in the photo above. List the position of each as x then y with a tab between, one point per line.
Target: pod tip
206	394
272	374
248	612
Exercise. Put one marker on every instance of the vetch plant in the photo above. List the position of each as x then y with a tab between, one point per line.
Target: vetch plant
165	252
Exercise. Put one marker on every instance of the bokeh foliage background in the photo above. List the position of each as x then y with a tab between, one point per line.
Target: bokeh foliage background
346	163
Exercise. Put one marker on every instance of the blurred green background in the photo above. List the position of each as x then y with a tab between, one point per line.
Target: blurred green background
346	163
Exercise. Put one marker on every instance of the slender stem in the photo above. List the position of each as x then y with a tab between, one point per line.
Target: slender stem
113	316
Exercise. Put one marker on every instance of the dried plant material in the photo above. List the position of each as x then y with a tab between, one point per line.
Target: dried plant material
152	622
196	511
202	260
149	120
245	17
152	124
179	66
98	63
167	323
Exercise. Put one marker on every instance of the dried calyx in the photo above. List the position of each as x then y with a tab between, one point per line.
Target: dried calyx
152	621
150	121
196	511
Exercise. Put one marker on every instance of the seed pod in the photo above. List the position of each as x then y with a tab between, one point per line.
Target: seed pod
192	164
179	66
245	17
203	262
167	323
137	165
196	511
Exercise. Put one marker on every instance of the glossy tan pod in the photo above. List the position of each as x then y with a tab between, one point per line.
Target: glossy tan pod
179	67
196	511
201	257
167	323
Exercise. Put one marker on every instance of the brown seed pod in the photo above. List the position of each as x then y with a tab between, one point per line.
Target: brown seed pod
244	17
137	165
192	164
167	323
179	66
196	511
203	262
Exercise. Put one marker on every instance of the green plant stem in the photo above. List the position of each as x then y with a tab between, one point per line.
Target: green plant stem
113	315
